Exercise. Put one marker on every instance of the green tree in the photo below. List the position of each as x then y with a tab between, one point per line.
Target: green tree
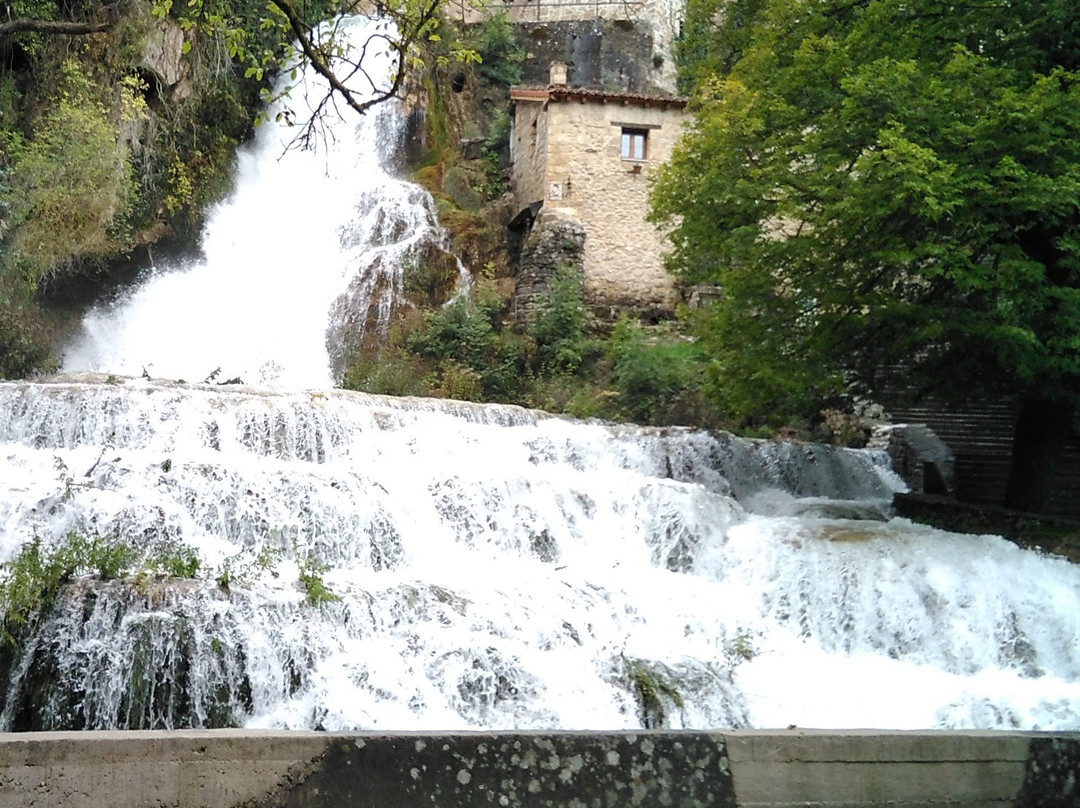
887	183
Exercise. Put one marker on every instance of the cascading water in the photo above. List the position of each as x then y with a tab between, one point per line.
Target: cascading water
369	562
498	568
305	232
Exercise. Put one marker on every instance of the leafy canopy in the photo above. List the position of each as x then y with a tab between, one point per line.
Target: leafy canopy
881	182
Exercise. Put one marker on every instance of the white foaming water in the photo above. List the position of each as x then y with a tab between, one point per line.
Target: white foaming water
501	569
492	567
300	231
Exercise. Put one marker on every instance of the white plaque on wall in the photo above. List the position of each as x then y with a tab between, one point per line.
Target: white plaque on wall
555	192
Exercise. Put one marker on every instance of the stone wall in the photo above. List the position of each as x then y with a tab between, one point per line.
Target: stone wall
528	153
657	21
920	457
602	54
729	769
585	179
552	245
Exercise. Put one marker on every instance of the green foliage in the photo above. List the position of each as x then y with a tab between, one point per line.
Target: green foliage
495	40
179	561
30	582
25	347
391	371
741	647
880	183
466	350
496	153
11	139
72	181
657	381
477	360
712	38
316	592
558	324
654	692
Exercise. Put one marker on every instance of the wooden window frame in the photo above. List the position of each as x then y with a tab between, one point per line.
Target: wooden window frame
632	137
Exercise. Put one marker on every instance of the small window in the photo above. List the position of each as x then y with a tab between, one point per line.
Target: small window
634	143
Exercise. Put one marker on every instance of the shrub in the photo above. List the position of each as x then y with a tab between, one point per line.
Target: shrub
316	592
179	561
25	347
466	339
30	582
656	381
391	371
460	382
558	324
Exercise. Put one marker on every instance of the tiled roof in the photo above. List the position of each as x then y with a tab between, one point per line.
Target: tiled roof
560	92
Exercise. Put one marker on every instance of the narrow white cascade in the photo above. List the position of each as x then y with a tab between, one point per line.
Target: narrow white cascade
302	229
497	568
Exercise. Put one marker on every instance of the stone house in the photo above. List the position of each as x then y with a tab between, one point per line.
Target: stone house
580	164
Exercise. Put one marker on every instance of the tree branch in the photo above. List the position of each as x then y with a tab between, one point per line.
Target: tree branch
410	27
321	64
28	25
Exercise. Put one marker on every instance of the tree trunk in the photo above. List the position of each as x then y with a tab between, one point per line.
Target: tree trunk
1042	429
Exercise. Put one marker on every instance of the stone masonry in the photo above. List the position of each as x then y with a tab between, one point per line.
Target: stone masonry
567	150
551	246
660	21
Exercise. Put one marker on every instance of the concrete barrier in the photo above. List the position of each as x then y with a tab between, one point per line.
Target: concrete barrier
762	769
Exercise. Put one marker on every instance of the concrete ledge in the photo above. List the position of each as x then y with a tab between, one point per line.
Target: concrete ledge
193	769
763	769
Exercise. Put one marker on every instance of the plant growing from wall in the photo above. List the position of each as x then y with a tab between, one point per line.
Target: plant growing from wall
653	691
31	581
316	592
494	39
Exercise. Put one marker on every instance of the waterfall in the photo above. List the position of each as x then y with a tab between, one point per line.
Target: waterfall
305	233
486	566
273	557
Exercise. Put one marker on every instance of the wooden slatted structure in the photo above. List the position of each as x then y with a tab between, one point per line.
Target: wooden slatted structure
981	438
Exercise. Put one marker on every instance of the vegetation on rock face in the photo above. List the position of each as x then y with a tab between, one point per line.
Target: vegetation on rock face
316	592
654	691
500	54
74	178
886	183
30	582
471	349
99	156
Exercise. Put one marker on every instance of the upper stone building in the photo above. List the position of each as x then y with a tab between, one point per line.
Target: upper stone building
581	159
